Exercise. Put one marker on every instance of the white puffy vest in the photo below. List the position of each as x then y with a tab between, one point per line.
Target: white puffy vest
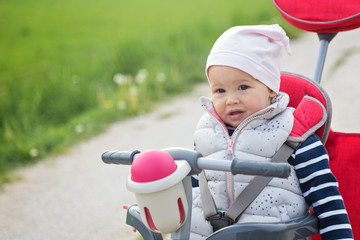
257	138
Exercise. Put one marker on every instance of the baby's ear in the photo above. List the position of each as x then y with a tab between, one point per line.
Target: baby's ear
272	95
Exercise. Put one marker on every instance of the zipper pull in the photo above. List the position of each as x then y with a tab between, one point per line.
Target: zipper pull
230	146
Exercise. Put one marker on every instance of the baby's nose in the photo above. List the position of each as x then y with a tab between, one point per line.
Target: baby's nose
233	99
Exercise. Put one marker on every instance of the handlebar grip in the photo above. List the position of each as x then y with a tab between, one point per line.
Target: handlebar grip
269	169
119	157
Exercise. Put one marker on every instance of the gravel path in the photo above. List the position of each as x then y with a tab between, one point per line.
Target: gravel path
76	197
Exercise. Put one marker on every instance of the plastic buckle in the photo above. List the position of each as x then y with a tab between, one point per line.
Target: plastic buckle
219	221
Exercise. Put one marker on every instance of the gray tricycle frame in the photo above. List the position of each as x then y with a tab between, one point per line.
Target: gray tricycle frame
301	228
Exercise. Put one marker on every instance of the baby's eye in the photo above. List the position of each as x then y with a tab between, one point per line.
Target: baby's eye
243	87
220	90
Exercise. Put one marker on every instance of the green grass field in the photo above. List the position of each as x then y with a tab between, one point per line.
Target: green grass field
69	68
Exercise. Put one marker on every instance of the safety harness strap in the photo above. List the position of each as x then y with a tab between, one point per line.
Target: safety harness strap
255	187
246	197
207	200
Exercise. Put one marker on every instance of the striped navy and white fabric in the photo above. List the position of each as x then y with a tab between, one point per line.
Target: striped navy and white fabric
320	189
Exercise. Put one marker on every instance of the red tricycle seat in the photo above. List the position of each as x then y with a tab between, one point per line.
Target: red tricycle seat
321	16
343	148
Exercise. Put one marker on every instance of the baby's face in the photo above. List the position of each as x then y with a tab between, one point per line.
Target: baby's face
236	95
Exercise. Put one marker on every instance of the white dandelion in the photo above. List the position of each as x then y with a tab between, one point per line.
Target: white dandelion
79	128
161	77
141	76
121	79
33	152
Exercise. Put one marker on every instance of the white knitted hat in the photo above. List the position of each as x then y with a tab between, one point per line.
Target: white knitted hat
256	50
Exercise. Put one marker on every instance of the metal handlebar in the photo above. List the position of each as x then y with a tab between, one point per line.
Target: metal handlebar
270	169
199	163
119	157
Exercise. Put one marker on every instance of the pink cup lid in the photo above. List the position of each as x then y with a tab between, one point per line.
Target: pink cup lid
152	165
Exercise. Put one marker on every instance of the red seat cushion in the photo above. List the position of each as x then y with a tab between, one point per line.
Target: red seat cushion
321	16
297	86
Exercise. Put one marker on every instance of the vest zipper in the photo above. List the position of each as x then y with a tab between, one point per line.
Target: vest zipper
231	141
242	126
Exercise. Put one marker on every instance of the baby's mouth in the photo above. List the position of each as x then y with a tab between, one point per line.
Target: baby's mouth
236	114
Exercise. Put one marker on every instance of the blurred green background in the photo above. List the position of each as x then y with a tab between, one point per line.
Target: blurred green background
69	68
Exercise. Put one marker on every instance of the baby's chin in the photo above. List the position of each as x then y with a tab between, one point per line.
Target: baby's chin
234	123
231	124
